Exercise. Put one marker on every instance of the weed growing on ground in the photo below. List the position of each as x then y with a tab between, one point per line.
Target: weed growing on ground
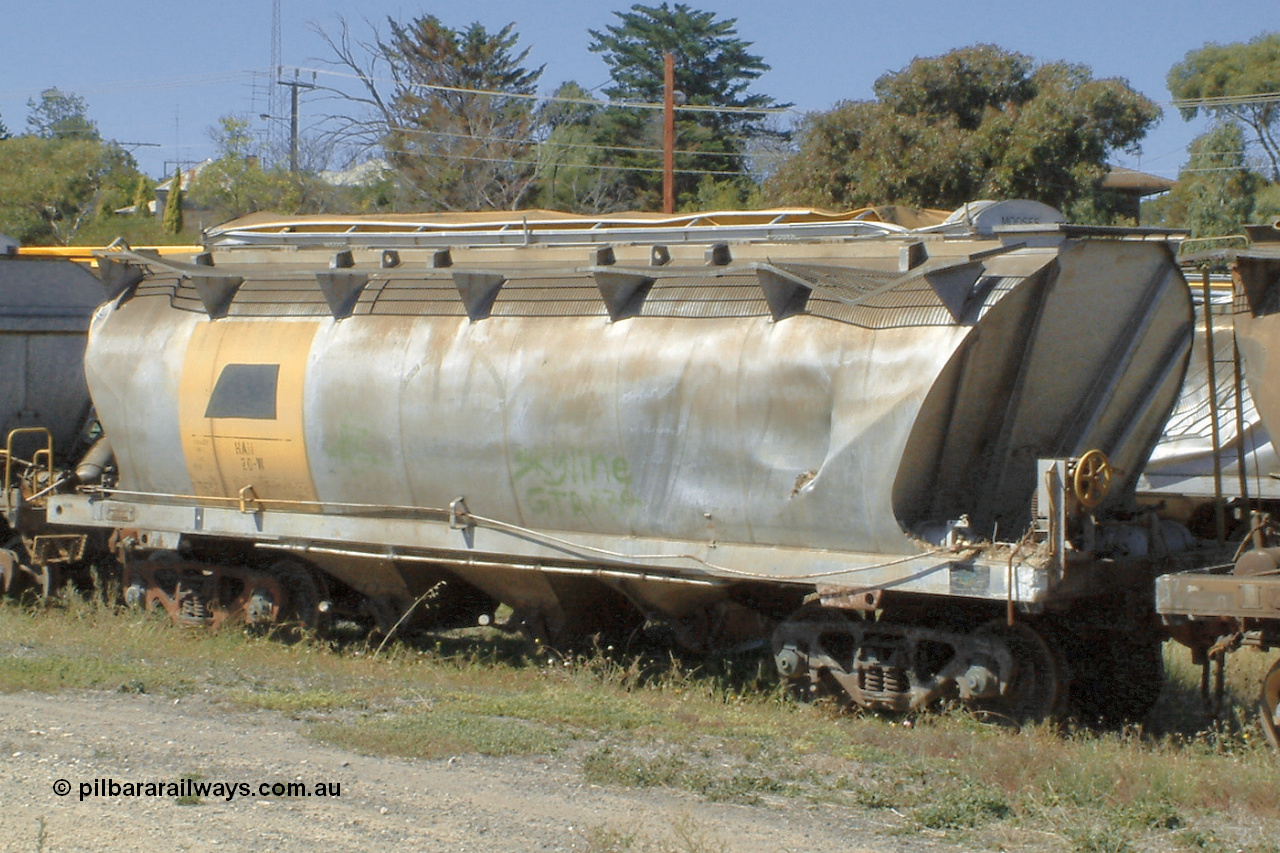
713	779
1090	840
189	799
687	836
1210	841
961	805
721	728
439	733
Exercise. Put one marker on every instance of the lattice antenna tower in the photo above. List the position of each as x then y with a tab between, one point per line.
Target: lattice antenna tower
275	100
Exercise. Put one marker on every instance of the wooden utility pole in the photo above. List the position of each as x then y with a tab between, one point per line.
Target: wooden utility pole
669	135
295	84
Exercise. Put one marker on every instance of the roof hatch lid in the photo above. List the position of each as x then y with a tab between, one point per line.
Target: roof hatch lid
984	217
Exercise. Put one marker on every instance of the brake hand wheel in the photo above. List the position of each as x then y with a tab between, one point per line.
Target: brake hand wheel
1092	478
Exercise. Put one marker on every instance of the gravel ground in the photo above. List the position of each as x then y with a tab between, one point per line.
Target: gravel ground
465	803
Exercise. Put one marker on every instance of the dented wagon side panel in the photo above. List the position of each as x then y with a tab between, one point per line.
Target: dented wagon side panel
789	407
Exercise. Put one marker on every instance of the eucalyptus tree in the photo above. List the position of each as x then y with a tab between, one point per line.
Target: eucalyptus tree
978	122
1239	82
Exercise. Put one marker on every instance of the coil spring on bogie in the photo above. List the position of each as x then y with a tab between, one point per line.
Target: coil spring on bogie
874	678
192	606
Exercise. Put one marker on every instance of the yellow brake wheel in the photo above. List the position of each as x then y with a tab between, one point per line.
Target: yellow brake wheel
1092	478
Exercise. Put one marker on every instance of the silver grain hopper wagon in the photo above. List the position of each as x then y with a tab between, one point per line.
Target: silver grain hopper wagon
902	445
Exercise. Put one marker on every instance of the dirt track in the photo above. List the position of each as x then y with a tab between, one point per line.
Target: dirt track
466	803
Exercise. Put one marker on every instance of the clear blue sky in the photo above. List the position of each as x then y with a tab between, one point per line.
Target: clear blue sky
163	71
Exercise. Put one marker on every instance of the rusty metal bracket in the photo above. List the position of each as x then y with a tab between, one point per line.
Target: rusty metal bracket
57	548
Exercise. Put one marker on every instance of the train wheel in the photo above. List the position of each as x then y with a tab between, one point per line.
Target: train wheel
13	577
1269	705
19	573
307	594
807	645
18	576
51	580
1039	688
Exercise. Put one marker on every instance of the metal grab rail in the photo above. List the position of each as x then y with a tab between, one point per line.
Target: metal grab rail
46	451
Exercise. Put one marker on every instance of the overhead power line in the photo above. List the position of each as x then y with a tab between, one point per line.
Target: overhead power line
556	99
1227	100
509	161
587	146
1215	169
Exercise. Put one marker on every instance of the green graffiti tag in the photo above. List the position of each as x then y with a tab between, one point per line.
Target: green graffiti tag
354	445
568	481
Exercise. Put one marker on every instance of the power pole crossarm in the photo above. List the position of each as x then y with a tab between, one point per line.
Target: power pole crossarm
294	85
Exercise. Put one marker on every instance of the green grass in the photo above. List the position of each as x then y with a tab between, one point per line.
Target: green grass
189	799
686	836
718	728
702	773
436	734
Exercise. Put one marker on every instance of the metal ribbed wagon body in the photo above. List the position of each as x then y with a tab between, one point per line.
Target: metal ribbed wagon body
771	399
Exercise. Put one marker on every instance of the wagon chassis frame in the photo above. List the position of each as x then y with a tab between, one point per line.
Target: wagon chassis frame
460	537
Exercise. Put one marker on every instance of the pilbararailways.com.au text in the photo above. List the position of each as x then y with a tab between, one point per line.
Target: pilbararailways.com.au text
190	787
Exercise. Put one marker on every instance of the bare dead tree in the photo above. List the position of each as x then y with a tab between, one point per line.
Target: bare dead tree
444	106
360	123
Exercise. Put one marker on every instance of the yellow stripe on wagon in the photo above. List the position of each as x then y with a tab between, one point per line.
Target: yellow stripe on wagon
240	409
